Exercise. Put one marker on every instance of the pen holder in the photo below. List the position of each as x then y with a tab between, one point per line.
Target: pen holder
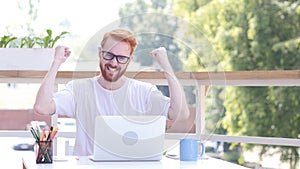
44	152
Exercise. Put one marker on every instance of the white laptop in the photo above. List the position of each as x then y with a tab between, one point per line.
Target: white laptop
129	138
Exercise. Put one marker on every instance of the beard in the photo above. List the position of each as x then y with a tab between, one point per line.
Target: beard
110	73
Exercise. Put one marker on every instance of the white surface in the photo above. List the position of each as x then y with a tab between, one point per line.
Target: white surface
26	58
85	162
144	142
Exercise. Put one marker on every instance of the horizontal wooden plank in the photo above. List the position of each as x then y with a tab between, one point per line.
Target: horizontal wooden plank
239	75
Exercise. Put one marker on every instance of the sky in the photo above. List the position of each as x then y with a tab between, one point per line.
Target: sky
81	17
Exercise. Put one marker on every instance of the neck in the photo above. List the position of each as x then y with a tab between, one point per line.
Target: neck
111	85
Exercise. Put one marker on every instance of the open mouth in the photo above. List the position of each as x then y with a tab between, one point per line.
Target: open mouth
111	69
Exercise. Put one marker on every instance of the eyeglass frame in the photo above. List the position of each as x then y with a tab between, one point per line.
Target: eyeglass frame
103	52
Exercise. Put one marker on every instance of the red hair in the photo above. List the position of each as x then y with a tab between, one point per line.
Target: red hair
121	35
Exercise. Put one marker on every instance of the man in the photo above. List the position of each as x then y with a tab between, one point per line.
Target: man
110	93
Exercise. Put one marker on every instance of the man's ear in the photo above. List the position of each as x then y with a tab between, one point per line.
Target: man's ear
131	58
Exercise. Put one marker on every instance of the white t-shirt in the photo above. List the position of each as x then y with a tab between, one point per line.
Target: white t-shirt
84	99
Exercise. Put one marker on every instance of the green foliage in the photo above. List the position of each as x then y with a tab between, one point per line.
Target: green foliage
31	41
154	28
27	42
49	41
6	40
214	111
232	156
252	35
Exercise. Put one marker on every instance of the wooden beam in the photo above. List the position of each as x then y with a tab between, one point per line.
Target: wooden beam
237	75
268	74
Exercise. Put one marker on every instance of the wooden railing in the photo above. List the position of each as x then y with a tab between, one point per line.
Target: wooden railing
202	81
240	78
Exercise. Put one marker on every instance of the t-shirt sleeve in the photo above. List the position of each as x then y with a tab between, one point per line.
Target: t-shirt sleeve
64	101
159	104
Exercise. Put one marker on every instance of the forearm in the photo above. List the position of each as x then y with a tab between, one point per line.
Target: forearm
178	109
44	103
178	106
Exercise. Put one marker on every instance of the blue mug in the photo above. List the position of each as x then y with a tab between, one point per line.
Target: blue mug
189	148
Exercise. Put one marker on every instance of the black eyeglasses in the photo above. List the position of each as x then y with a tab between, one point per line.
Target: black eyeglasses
110	56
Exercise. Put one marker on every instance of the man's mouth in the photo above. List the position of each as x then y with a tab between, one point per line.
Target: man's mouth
111	69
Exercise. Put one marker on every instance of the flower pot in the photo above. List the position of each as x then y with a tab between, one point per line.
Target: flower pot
26	58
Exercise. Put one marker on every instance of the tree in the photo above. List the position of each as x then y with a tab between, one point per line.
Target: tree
254	35
266	111
153	27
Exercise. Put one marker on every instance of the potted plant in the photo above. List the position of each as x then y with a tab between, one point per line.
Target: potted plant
27	53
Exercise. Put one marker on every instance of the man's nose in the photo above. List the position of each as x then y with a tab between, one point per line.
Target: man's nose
114	61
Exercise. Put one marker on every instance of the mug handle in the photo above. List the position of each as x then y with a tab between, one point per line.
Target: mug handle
202	149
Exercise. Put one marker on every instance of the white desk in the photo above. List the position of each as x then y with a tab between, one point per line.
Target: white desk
165	163
13	159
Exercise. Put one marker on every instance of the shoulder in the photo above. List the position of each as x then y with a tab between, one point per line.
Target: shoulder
81	82
85	80
139	84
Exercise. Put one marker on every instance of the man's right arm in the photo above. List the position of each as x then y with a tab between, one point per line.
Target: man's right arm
44	103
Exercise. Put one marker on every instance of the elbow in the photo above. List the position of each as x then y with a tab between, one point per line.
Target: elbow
38	109
42	110
182	115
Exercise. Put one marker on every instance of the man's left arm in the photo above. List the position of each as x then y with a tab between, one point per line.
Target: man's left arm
178	106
